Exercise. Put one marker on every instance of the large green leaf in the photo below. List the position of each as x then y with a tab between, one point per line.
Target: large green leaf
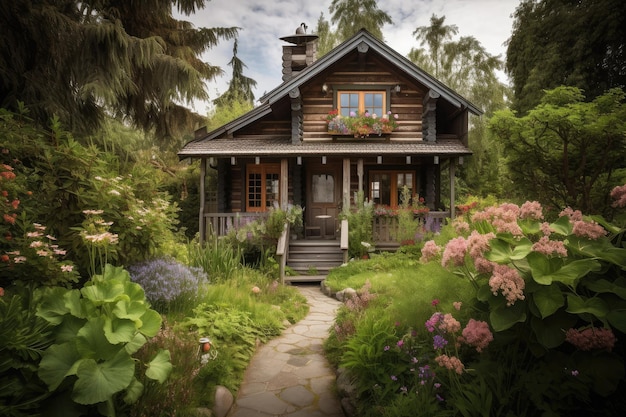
500	251
550	332
134	345
548	299
596	306
135	292
151	323
53	307
133	392
119	330
617	319
91	341
132	310
605	286
98	381
598	248
160	367
542	267
503	317
104	292
58	361
562	226
568	274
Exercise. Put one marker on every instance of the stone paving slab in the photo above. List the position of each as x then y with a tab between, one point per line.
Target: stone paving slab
289	376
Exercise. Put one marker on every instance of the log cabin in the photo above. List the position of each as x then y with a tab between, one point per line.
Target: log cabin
360	118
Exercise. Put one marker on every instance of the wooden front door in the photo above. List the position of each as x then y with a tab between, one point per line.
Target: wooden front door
322	202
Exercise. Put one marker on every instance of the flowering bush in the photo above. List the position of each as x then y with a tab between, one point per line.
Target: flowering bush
169	285
361	125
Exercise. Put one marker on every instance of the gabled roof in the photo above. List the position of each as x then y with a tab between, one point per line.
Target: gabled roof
404	64
214	143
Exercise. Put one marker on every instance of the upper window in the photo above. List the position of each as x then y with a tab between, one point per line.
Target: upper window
358	102
263	186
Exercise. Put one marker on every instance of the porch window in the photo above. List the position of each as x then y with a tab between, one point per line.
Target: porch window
386	186
263	186
360	101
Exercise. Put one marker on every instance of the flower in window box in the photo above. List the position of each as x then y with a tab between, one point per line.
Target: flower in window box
361	125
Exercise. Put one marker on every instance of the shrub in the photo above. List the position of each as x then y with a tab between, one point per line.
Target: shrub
219	259
170	286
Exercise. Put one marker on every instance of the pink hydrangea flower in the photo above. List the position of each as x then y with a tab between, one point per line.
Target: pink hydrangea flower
591	338
450	362
477	334
550	247
508	281
454	252
574	215
619	195
430	251
591	229
531	210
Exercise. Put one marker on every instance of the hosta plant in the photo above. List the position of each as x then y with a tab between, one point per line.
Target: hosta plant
98	330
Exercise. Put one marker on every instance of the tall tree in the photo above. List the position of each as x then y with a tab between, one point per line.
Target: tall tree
465	66
350	16
80	60
435	37
580	43
240	86
327	37
565	151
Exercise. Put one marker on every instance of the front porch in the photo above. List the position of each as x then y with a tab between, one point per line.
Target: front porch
385	228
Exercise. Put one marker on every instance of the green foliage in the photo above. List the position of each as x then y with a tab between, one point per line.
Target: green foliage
99	329
61	179
360	220
567	152
178	395
219	259
563	42
350	16
115	59
23	338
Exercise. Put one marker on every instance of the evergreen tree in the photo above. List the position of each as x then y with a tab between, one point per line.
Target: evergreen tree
580	43
240	86
350	16
80	60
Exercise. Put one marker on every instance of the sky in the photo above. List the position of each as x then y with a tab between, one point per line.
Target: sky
263	22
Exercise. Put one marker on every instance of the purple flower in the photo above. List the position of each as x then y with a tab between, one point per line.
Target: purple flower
386	348
574	372
439	342
394	378
400	343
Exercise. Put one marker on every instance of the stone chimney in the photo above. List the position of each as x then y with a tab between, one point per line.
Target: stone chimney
300	54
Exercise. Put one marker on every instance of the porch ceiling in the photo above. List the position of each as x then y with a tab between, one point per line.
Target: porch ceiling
278	146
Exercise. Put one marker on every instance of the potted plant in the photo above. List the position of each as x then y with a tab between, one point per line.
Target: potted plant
361	125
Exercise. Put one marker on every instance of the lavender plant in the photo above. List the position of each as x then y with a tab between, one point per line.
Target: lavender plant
170	286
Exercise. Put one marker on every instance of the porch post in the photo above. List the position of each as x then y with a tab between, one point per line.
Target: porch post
359	172
346	183
201	219
452	169
284	183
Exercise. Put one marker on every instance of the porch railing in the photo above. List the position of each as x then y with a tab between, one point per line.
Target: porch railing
221	223
385	229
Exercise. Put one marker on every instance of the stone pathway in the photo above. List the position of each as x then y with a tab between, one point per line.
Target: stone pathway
289	376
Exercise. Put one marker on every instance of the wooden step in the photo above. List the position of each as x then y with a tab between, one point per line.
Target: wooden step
314	256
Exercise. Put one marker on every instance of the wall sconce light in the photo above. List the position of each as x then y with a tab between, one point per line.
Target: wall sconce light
257	160
323	160
408	160
326	89
233	160
436	160
397	89
379	160
299	160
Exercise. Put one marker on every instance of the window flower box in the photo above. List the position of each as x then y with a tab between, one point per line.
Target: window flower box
360	125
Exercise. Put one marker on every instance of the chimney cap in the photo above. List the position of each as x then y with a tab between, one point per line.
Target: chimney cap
301	37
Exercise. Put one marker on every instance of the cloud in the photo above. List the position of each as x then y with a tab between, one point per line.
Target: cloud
263	23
